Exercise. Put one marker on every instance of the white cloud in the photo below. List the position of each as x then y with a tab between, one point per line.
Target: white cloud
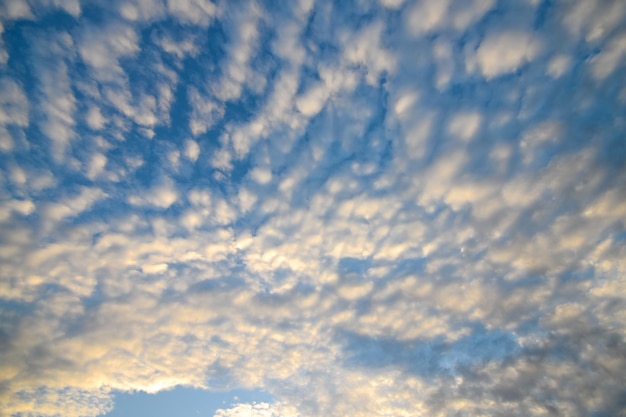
4	55
45	401
14	10
287	45
14	105
192	150
102	48
18	175
502	53
415	123
426	16
57	98
141	9
71	206
161	196
154	269
405	102
247	199
242	48
392	4
256	410
545	132
465	125
440	176
311	102
173	158
261	175
95	120
593	19
367	48
23	207
611	57
70	6
466	13
41	180
206	112
181	49
96	166
6	141
443	54
198	12
559	65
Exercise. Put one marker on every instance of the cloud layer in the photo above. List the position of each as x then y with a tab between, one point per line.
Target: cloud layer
393	208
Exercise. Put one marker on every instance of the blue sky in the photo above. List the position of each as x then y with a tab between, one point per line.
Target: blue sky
312	208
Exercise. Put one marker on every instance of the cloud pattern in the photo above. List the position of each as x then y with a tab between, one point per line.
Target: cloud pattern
392	208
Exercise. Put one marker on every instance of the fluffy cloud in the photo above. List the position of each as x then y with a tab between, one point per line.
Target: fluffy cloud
426	16
502	53
161	196
255	410
57	101
610	57
198	12
192	150
13	111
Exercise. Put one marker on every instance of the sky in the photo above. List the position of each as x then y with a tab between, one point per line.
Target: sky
256	208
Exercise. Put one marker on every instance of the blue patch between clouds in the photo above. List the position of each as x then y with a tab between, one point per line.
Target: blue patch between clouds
429	357
181	402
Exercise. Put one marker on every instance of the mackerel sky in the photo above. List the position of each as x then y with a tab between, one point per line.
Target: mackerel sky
313	208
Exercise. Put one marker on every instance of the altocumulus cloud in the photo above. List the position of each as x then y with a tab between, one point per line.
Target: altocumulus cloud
388	208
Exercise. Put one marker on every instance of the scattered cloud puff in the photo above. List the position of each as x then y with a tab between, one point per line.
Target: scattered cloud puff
426	17
13	111
502	53
368	208
160	196
256	410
